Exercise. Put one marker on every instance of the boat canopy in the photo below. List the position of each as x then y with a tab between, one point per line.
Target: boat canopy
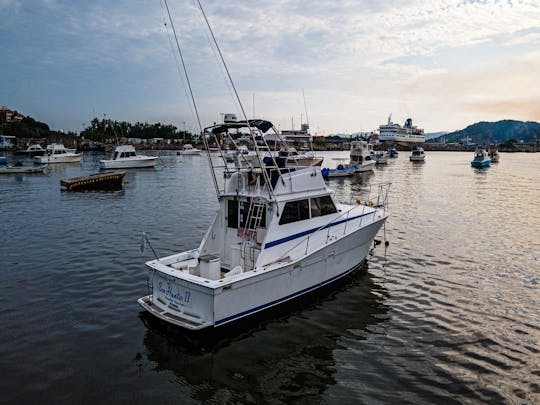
261	125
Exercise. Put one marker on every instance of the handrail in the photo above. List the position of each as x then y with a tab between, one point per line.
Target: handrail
381	187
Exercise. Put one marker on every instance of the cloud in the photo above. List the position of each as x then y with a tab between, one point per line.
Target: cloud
356	60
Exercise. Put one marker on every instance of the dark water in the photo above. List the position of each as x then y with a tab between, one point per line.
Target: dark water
451	312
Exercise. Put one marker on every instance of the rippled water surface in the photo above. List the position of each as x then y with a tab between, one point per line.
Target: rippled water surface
449	313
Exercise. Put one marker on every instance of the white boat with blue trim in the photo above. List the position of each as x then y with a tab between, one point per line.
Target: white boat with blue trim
278	234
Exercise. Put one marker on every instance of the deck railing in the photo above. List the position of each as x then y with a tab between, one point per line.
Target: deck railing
376	196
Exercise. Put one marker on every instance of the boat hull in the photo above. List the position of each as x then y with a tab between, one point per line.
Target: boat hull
76	157
16	169
149	161
194	306
480	163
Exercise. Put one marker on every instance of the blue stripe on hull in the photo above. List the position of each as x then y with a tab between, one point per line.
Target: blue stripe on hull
312	230
288	297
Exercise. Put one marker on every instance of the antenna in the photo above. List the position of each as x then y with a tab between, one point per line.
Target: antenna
305	107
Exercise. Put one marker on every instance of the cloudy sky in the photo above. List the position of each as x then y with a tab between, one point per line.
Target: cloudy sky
446	63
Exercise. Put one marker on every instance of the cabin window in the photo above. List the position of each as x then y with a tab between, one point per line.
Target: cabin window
321	206
232	214
294	211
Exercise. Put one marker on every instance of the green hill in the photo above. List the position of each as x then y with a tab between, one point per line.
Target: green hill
497	132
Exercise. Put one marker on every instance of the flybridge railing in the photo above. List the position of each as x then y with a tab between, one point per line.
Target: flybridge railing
261	149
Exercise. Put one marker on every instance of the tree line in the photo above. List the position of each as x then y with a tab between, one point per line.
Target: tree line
104	129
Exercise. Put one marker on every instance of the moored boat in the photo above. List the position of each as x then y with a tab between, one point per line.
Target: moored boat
361	156
342	170
481	158
494	155
125	157
277	234
188	149
57	153
417	154
19	168
32	150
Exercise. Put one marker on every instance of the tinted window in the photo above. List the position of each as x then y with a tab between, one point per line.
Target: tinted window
294	211
322	206
232	214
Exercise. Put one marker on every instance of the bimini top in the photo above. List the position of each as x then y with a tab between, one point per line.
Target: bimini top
261	125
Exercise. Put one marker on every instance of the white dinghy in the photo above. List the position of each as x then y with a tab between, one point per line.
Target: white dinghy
278	234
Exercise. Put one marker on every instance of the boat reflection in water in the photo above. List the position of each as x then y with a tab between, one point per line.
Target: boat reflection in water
284	356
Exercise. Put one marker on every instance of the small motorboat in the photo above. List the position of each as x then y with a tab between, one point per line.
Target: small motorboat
417	154
32	150
381	158
341	170
481	158
19	168
393	153
125	157
189	150
58	153
494	154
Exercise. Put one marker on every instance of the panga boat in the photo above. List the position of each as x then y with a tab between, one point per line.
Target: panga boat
417	154
481	158
125	157
278	234
99	181
361	156
57	153
189	150
340	171
22	169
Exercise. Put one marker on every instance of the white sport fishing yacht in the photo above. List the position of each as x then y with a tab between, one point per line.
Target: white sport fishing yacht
361	156
278	234
57	153
125	157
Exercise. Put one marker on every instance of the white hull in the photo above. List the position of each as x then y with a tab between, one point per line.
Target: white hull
64	158
199	306
127	163
365	167
189	152
417	158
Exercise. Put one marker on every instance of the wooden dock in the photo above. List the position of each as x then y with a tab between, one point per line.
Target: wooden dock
98	181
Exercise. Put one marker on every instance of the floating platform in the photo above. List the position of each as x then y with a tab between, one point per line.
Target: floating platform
99	181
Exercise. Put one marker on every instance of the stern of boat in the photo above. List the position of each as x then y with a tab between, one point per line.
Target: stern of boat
178	301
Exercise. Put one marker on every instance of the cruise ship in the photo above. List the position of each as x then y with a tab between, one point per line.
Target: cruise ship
397	133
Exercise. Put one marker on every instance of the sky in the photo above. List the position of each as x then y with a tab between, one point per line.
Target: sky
446	64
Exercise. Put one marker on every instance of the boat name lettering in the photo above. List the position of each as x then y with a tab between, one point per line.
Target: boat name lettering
174	295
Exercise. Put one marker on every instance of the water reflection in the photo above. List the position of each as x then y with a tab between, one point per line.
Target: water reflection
284	355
